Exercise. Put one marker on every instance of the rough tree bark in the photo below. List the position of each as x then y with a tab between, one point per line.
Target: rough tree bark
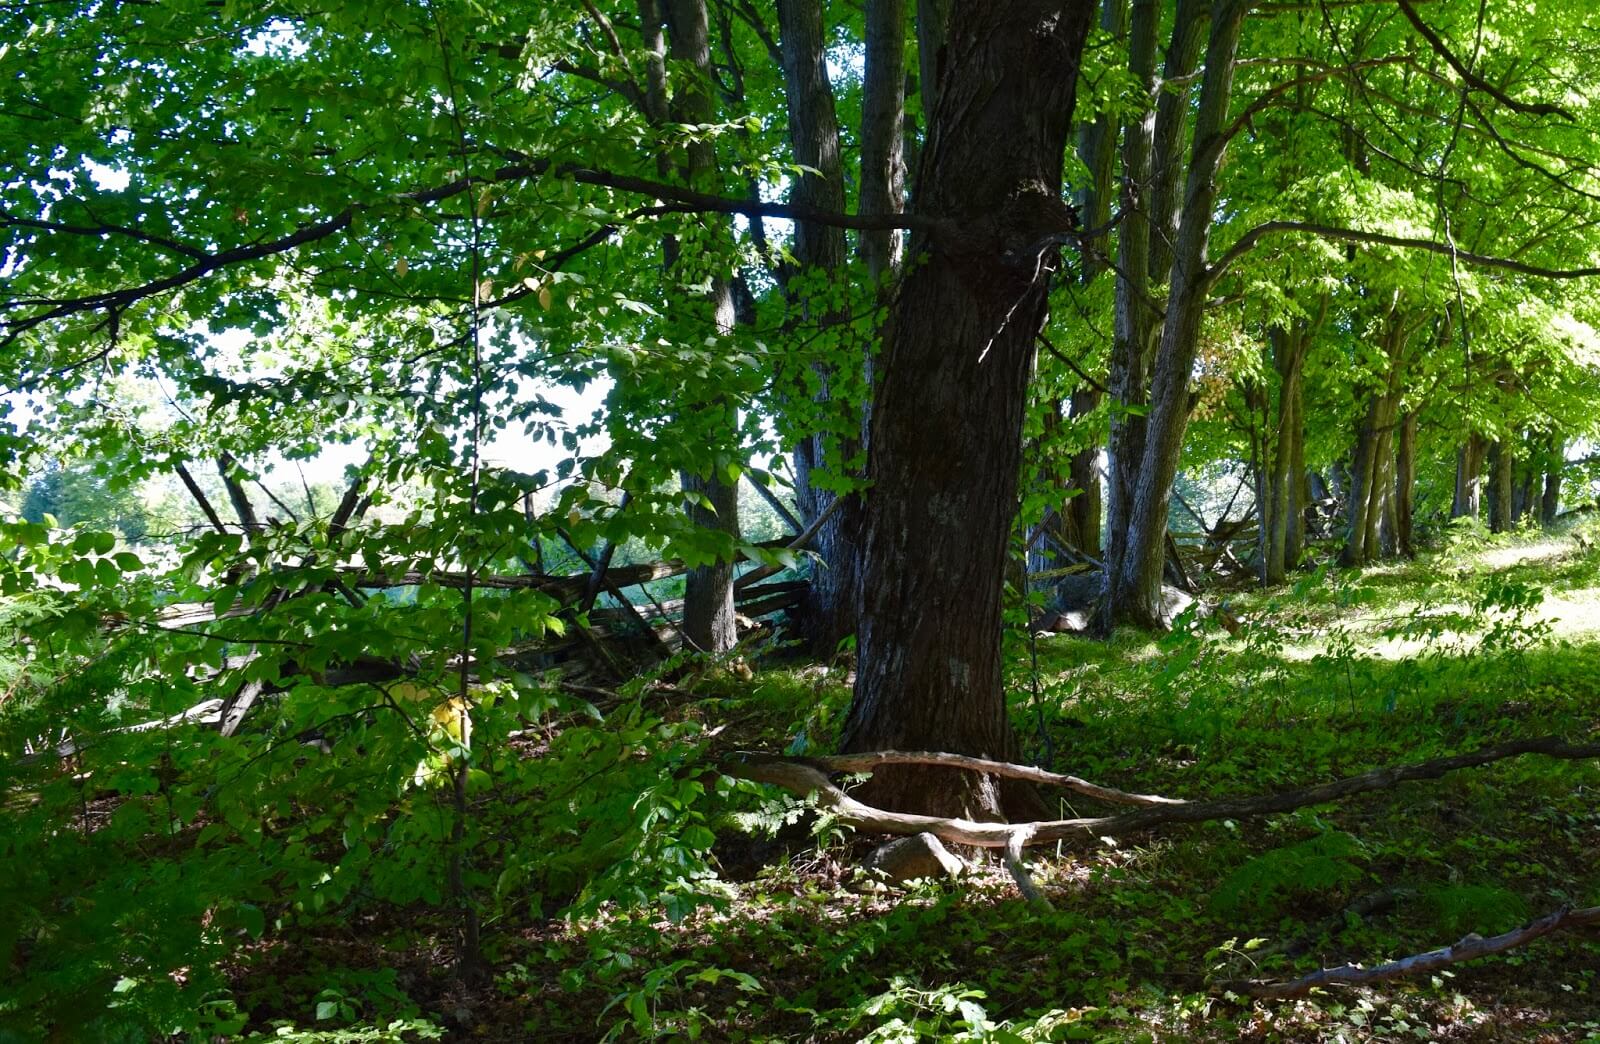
945	446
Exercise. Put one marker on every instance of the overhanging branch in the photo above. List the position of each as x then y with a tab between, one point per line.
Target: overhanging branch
1471	78
676	197
1248	242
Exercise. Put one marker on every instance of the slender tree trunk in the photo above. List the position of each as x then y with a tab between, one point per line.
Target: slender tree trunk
1550	502
933	28
1527	474
1363	464
1372	463
1469	472
1278	509
1405	482
1301	512
708	616
1133	592
1189	25
883	109
1134	322
1097	148
1082	513
1388	523
1501	461
832	599
945	449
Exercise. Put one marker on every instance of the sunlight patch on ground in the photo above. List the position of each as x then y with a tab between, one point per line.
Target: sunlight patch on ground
1572	614
1525	554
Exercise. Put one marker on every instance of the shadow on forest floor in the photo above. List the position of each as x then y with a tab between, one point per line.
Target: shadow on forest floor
1318	685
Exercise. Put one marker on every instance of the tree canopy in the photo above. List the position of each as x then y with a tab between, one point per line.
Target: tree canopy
445	387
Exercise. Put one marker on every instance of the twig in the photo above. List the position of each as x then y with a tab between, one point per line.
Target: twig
798	543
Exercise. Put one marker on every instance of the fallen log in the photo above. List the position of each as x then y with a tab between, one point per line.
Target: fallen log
1469	948
566	586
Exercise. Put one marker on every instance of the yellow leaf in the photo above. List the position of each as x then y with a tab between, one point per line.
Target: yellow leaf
486	290
531	283
453	717
400	268
538	255
545	298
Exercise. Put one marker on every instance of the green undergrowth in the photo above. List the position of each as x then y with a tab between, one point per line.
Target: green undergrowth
629	892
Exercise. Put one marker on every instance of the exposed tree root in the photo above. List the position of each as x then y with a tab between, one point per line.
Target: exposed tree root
868	761
1467	949
1019	870
806	779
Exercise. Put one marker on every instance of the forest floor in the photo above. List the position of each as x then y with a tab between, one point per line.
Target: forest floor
1472	644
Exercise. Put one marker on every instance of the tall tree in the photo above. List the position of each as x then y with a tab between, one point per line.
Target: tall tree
945	446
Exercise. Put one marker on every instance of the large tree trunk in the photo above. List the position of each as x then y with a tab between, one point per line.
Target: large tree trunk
829	611
945	446
1136	556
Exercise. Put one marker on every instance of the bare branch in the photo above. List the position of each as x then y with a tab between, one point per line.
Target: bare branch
1471	78
797	544
1057	352
103	229
236	492
1247	242
200	498
678	198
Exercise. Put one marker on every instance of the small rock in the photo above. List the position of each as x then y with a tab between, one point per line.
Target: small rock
1173	602
908	858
